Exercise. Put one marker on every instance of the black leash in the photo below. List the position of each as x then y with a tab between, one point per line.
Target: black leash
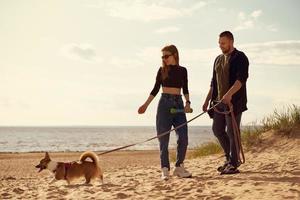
160	135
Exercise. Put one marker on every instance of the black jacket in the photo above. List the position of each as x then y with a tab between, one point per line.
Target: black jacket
238	70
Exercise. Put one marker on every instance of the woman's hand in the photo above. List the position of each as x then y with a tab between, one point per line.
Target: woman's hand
142	109
187	108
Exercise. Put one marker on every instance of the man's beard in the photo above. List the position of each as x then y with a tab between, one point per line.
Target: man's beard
225	51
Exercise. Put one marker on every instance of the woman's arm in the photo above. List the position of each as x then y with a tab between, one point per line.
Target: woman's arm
153	93
144	107
149	100
187	98
185	89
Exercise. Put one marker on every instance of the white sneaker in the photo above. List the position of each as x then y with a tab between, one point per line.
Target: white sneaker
165	174
182	172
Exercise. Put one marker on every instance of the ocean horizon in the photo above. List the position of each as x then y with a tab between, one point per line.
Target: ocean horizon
93	138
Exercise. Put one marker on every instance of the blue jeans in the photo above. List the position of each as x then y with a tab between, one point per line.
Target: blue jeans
226	136
164	122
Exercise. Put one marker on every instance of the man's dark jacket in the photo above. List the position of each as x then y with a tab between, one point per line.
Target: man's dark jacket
238	70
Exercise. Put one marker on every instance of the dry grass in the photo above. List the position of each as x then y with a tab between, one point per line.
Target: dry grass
282	122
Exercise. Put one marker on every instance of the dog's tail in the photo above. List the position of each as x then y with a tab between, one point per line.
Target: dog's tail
91	155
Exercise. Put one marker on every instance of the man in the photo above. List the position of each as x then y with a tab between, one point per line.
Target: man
228	85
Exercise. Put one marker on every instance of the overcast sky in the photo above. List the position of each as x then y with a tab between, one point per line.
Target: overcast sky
94	62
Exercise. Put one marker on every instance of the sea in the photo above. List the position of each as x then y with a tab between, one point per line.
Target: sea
93	138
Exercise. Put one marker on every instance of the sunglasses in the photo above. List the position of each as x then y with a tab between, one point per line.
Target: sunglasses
166	56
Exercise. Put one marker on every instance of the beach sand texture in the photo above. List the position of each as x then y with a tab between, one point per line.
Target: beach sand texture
272	171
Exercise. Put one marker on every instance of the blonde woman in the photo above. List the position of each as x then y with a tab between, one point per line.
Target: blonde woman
173	78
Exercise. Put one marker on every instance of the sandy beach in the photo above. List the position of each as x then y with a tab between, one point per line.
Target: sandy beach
272	171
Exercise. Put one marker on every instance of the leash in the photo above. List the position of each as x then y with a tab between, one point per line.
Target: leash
236	131
160	135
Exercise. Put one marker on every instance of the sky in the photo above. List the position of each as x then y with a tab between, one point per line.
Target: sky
93	63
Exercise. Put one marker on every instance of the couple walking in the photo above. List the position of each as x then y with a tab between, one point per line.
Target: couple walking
228	84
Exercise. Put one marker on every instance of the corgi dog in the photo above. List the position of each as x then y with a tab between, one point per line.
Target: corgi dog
69	171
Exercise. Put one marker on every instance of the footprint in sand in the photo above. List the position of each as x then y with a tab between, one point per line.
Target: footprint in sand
107	187
268	167
10	178
18	191
209	182
90	191
62	192
162	187
122	196
258	183
186	189
226	198
52	197
199	190
294	190
6	195
128	188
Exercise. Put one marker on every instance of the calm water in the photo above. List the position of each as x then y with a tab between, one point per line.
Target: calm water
36	139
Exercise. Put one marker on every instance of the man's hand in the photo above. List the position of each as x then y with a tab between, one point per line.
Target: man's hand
205	106
226	99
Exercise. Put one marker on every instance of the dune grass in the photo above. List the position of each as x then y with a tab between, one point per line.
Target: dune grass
281	122
284	121
206	149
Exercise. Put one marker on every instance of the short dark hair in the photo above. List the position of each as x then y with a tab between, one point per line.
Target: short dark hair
227	34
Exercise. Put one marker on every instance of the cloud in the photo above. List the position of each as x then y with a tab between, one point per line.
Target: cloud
83	52
125	63
222	9
272	28
199	55
250	21
274	52
170	29
255	14
269	53
247	21
146	11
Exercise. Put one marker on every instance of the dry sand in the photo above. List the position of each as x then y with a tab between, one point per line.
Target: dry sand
272	171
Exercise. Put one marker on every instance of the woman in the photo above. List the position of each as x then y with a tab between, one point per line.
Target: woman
172	77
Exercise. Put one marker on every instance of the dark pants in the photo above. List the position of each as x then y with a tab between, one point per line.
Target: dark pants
226	136
164	122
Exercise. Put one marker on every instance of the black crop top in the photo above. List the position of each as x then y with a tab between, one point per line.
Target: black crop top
177	77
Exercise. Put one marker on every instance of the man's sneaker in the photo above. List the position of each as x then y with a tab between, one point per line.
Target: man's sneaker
182	172
165	174
221	168
230	169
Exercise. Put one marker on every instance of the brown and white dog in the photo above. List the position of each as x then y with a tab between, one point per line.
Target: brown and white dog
72	170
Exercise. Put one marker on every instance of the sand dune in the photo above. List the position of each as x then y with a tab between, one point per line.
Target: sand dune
272	171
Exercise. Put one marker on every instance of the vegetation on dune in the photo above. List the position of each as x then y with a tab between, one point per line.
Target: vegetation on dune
282	122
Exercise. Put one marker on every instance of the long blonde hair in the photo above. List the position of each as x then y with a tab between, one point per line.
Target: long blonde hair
174	51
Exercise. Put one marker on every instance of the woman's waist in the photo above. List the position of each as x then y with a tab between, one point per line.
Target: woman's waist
171	98
171	90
